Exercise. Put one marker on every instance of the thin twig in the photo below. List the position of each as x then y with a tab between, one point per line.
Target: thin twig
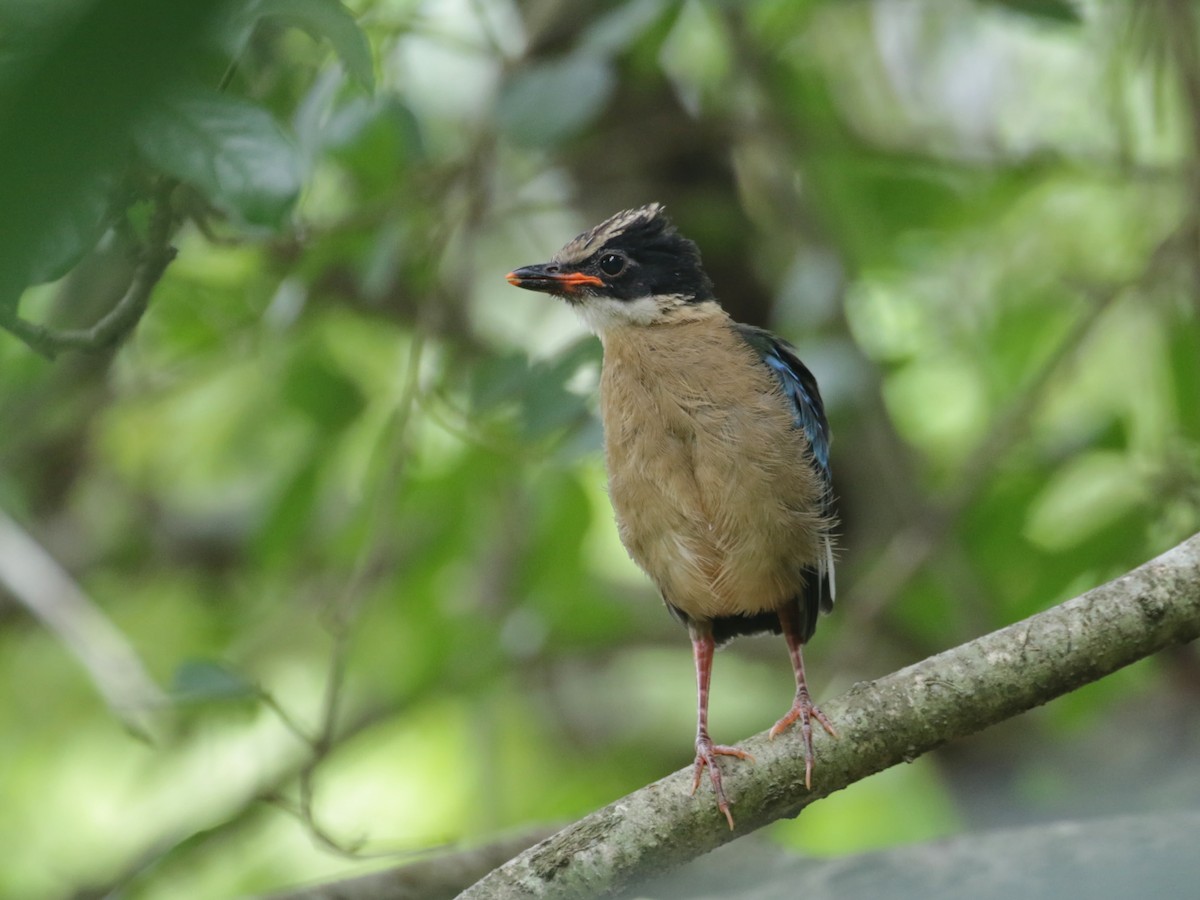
346	607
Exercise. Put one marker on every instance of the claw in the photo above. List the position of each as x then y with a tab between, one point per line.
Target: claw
706	755
805	710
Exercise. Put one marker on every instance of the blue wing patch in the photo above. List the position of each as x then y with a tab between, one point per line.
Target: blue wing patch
808	412
799	386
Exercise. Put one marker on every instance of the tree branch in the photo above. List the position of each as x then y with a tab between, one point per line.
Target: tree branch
439	877
894	719
37	581
156	254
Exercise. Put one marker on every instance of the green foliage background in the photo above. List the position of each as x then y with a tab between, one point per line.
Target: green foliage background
340	489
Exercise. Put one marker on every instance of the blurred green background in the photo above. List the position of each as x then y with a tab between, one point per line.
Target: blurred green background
331	524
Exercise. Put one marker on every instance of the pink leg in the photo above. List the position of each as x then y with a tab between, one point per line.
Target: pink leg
802	707
706	751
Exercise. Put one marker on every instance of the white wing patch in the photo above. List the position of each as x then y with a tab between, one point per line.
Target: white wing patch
825	568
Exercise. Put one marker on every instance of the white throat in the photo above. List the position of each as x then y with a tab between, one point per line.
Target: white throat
601	314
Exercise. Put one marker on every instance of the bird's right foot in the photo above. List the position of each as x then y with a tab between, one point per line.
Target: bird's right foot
706	755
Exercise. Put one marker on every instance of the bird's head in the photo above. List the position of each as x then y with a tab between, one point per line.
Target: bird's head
632	269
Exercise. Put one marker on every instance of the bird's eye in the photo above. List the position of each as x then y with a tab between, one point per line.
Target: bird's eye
611	264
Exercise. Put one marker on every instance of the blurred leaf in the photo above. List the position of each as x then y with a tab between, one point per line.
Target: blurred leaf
584	440
556	579
537	392
1184	368
201	680
290	518
1085	495
1054	10
230	149
329	398
873	196
1027	328
498	380
71	91
615	31
548	102
376	139
72	232
547	404
328	19
696	55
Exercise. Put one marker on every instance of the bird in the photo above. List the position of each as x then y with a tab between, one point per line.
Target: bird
716	447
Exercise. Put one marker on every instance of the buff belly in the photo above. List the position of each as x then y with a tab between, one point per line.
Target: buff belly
705	477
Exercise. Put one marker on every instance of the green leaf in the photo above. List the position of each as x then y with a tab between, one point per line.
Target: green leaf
326	19
498	382
377	139
1084	496
202	680
546	403
537	393
73	77
1062	11
323	393
552	101
615	31
231	150
72	232
291	516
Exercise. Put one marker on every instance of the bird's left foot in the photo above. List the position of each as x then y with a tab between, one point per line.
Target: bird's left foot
805	710
706	755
